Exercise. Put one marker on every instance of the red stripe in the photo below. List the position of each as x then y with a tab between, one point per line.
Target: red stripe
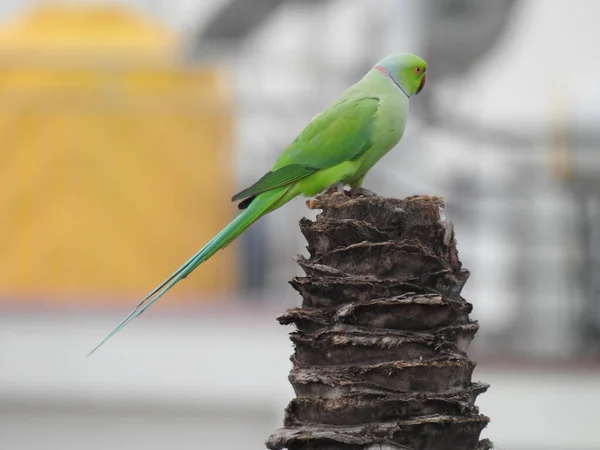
382	70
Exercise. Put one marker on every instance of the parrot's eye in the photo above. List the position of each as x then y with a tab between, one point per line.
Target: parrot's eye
418	70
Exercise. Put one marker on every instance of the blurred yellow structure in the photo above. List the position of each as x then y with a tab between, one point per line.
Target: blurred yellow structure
115	160
88	29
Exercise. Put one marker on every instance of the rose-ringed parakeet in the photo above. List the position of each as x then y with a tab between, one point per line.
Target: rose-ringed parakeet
339	145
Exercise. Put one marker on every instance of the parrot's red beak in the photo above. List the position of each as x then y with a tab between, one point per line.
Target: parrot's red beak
422	85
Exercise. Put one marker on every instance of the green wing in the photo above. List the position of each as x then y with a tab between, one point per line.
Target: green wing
340	134
275	179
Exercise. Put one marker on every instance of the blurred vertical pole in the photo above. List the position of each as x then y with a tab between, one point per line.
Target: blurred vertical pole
254	259
380	348
585	195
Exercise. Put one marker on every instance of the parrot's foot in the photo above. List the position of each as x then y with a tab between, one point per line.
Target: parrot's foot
337	187
361	192
313	203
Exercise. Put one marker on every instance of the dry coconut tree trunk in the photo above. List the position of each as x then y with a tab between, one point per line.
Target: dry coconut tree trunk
380	356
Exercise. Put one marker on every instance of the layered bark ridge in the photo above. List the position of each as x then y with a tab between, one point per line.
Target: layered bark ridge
380	356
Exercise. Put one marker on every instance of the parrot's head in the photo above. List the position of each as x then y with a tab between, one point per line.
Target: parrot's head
406	70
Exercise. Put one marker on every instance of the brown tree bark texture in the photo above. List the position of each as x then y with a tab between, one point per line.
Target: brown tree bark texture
380	356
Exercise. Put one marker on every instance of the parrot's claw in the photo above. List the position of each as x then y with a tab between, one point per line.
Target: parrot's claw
361	192
312	203
337	187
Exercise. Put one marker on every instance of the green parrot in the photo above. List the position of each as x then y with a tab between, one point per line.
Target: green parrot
339	145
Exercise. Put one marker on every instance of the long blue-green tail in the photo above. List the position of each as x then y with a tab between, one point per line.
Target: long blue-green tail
261	205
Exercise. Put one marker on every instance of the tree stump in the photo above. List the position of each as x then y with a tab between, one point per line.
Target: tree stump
380	356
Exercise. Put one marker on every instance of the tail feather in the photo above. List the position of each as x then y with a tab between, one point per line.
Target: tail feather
237	226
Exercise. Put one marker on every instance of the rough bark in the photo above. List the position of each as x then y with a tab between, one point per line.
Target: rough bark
380	343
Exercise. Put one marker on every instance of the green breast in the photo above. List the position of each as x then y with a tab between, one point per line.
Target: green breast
391	119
